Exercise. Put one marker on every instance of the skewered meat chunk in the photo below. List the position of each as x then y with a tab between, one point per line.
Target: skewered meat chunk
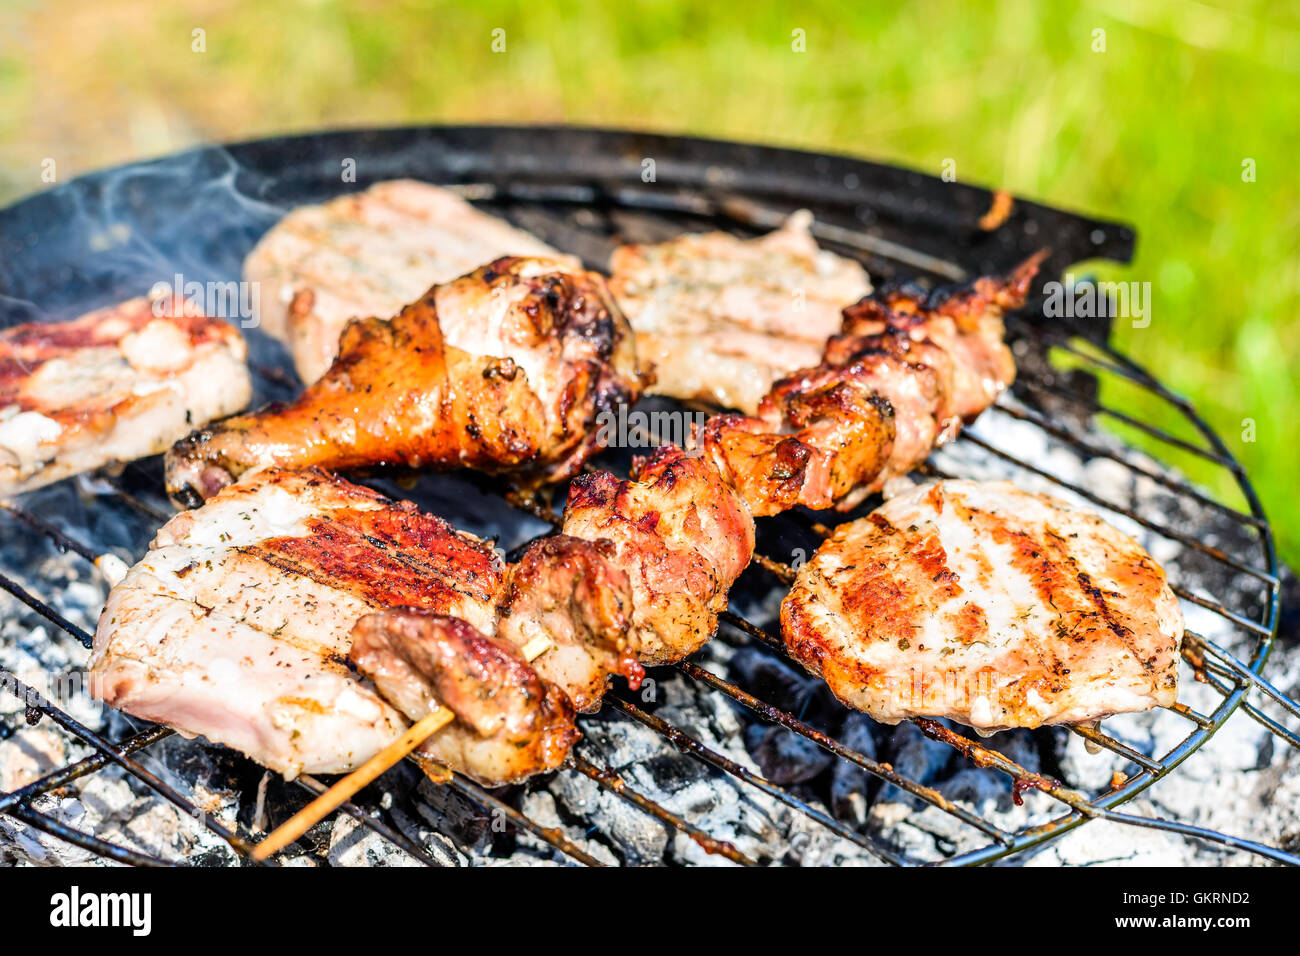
510	724
504	370
368	254
966	323
897	383
569	591
117	384
833	431
987	605
680	533
720	318
237	623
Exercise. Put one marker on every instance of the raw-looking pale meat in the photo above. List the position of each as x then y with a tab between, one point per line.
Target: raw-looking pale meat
368	254
238	622
117	384
720	319
988	605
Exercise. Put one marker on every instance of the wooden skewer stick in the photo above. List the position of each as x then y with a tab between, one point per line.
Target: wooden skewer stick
372	769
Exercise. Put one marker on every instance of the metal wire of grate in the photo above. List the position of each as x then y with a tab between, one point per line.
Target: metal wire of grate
543	209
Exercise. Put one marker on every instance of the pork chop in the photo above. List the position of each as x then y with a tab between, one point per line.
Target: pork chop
114	385
987	605
237	624
720	319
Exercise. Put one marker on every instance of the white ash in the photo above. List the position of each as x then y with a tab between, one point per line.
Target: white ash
1243	781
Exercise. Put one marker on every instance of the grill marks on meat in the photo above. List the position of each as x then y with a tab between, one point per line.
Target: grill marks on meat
114	385
898	381
720	318
369	254
510	723
504	370
407	557
988	605
239	622
236	625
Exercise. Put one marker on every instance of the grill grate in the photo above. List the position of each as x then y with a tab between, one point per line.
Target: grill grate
570	211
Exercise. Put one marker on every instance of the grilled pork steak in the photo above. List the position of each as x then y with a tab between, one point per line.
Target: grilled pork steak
117	384
720	319
238	622
988	605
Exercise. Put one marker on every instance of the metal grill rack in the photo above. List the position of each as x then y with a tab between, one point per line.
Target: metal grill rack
533	178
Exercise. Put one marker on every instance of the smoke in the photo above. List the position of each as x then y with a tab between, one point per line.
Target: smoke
115	234
123	232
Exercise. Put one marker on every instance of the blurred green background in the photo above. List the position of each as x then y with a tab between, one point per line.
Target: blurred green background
1150	120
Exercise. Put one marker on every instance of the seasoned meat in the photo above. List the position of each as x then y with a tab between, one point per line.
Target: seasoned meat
117	384
509	725
721	318
987	605
682	536
833	434
505	370
237	623
898	382
570	592
965	323
368	254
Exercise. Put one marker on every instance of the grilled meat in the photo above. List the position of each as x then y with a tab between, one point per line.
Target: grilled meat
114	385
833	432
987	605
504	370
680	533
368	254
965	323
721	318
570	592
898	381
509	723
237	623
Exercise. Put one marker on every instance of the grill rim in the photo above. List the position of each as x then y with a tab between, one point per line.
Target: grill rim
967	201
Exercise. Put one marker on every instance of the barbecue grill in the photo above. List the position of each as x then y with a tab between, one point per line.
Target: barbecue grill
110	235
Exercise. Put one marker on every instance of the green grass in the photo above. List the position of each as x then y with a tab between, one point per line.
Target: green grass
1153	130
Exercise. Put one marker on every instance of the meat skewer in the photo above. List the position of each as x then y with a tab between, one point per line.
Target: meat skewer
900	379
401	654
